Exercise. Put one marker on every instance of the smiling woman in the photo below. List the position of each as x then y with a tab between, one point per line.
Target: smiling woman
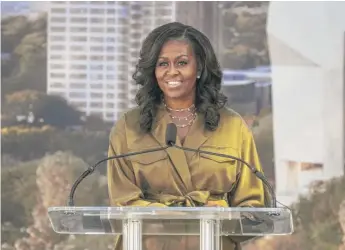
180	81
176	73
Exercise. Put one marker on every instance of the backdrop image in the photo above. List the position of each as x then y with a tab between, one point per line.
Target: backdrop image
66	79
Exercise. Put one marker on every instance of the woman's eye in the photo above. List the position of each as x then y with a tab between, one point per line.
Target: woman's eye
182	63
162	64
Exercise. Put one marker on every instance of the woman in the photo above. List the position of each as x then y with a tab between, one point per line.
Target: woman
180	81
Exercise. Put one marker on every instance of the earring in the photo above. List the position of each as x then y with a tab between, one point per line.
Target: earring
197	76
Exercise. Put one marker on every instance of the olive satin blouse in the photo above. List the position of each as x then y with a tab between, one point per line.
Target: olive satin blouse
177	178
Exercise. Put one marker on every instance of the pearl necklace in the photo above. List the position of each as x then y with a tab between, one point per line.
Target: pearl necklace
192	114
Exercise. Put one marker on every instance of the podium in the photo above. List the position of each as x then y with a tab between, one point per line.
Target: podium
208	224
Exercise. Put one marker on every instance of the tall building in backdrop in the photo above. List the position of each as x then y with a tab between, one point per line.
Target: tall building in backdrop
87	55
144	17
93	47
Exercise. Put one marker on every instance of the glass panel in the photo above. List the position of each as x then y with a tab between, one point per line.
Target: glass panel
172	220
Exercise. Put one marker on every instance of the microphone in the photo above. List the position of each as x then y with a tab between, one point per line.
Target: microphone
171	134
91	169
170	140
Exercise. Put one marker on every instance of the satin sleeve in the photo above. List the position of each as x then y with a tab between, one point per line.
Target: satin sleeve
249	190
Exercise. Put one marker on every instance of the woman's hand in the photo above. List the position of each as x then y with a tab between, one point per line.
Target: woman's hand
218	203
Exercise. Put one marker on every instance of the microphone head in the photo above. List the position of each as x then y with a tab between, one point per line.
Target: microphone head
170	135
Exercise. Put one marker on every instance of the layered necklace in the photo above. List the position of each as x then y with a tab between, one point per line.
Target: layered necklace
182	117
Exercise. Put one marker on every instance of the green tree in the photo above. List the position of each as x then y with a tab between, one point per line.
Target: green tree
244	35
13	29
24	44
52	110
17	143
96	123
29	189
31	49
341	216
316	221
18	197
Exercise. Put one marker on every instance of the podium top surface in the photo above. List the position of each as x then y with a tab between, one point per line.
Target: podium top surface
171	220
219	213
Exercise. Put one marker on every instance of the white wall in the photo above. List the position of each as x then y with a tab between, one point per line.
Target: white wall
306	41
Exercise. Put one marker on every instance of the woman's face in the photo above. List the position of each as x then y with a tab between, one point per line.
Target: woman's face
176	71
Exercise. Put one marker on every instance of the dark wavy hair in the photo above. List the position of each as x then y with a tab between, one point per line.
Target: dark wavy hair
208	98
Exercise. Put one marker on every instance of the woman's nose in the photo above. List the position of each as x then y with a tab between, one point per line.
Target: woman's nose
172	70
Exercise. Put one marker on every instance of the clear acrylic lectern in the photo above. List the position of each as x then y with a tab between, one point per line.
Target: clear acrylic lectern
136	224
